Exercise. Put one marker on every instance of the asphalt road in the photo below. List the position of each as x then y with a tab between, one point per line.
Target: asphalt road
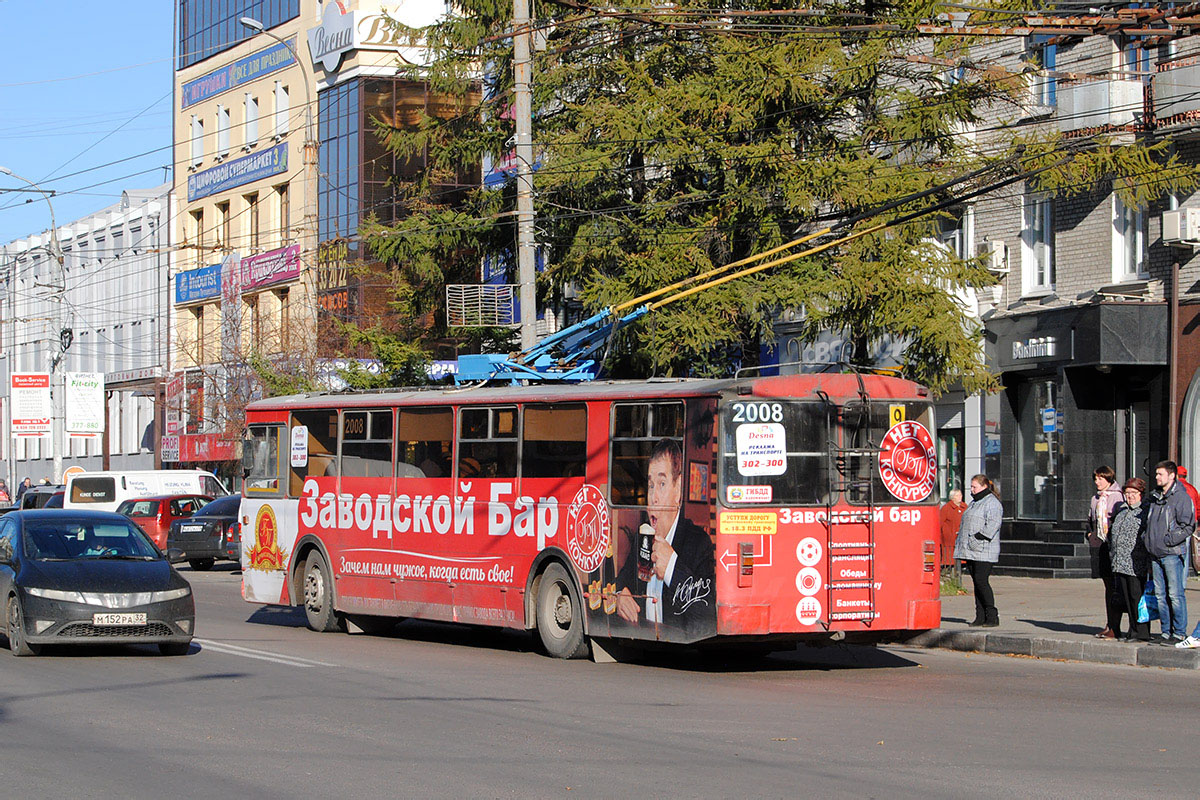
265	708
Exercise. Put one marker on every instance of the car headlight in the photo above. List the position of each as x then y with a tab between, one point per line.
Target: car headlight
170	594
56	594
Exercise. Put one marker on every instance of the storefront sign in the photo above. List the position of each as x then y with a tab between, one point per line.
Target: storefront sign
169	448
206	447
237	172
85	404
198	284
29	394
1051	345
274	266
244	70
332	40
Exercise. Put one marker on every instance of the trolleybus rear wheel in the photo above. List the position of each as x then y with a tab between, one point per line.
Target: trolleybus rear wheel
318	595
560	614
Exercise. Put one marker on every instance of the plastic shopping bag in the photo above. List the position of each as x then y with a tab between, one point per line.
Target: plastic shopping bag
1148	604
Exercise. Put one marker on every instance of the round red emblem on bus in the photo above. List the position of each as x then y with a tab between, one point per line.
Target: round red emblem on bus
908	461
265	554
588	528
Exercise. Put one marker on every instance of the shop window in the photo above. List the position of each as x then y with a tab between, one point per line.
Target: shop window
1038	446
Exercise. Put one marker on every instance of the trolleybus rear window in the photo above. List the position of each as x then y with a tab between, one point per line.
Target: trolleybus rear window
863	428
774	452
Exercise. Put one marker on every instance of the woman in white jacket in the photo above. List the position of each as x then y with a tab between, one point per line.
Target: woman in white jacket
978	544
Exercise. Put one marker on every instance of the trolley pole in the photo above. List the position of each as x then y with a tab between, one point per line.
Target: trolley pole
523	111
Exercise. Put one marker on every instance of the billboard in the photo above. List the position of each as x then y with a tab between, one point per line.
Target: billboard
29	394
85	404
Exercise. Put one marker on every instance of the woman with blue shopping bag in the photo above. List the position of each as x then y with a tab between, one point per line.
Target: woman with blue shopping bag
1130	561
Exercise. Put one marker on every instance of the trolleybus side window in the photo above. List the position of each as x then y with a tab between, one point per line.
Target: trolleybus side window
636	427
864	426
554	441
424	442
774	452
261	460
367	444
487	442
322	425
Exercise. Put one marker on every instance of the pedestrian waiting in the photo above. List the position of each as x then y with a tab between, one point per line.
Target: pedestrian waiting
950	518
1170	521
1129	561
1104	507
979	545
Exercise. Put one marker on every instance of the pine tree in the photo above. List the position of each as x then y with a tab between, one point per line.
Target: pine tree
672	139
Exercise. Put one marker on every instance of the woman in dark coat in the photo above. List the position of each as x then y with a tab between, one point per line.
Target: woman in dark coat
1127	553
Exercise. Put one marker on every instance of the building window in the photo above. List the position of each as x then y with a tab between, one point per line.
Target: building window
1041	55
208	27
285	213
251	120
1037	244
201	333
252	306
1129	242
281	109
197	233
284	296
252	220
223	226
197	140
222	131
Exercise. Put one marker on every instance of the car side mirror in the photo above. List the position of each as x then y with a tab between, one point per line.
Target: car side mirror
174	554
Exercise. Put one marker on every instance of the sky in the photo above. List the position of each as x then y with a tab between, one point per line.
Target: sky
85	105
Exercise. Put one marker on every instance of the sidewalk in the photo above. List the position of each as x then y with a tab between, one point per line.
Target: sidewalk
1053	618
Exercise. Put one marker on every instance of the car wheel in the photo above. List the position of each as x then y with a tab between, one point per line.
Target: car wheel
17	643
318	596
560	614
201	564
174	648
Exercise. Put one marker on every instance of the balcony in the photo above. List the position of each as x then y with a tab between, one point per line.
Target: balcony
1108	104
1177	94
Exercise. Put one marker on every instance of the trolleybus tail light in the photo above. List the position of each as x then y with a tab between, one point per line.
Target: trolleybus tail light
930	557
745	564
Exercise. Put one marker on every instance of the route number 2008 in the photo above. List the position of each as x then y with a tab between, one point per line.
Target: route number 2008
758	412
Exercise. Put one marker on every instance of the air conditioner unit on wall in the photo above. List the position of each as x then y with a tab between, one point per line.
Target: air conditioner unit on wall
1181	226
995	256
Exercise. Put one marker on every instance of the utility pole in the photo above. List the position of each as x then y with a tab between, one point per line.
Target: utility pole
523	113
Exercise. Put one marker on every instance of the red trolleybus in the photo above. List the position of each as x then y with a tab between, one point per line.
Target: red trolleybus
768	509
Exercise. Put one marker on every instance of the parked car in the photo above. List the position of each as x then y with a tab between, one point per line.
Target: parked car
44	496
155	514
88	577
211	533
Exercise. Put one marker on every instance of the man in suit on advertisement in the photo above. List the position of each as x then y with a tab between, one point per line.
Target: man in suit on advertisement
680	591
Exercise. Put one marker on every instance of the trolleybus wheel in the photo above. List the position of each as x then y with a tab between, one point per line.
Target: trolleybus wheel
16	631
560	614
318	596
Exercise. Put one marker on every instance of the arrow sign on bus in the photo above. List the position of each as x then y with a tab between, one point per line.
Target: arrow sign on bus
763	558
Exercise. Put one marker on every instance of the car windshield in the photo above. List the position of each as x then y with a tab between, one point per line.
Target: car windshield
221	507
76	539
138	508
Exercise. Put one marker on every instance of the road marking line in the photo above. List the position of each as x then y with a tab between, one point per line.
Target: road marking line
279	658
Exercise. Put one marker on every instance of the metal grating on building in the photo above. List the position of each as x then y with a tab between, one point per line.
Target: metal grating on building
479	305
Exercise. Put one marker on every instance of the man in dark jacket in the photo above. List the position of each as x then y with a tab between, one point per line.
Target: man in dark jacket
1169	525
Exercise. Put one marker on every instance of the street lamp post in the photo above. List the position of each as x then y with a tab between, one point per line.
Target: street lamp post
309	231
59	342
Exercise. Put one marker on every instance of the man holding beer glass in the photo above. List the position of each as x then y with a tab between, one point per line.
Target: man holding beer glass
672	557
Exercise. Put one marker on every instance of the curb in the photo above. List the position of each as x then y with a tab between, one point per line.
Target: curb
1015	644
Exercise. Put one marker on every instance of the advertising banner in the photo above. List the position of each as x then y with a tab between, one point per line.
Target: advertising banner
198	284
244	70
238	171
170	448
30	396
85	404
273	266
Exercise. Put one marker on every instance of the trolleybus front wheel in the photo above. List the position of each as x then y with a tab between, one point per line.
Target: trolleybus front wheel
318	596
560	614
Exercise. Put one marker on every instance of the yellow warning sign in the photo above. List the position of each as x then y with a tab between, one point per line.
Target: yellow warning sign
895	415
749	523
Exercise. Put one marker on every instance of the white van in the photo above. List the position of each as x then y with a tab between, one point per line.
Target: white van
104	491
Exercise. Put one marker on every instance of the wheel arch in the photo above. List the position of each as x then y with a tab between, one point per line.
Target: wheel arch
544	559
306	545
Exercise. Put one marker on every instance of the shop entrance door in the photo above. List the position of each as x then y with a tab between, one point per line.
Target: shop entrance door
1039	461
1134	445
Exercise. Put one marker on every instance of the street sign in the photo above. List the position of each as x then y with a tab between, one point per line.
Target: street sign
1049	420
